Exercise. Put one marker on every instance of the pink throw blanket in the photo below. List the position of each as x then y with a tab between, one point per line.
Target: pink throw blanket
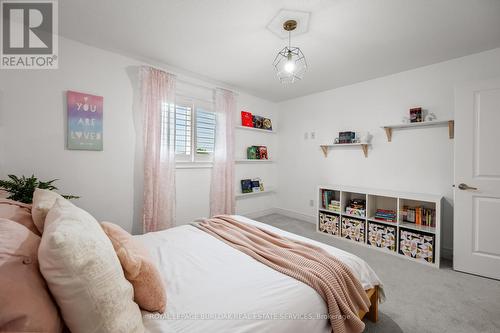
330	277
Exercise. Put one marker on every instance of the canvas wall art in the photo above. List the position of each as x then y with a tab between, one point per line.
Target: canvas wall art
85	126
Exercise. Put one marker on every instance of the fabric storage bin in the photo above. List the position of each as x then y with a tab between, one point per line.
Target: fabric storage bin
353	229
382	236
329	223
416	244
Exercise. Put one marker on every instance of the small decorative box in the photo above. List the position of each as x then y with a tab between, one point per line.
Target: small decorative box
353	229
383	236
416	245
355	211
329	223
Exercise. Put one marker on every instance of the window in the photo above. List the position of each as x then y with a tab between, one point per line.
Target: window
194	130
205	131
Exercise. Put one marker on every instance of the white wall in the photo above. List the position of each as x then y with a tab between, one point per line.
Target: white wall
193	185
417	161
33	125
33	120
261	204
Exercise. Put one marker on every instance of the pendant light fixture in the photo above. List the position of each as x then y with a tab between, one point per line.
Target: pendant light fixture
290	63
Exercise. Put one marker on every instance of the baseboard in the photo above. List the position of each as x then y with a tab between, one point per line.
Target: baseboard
447	253
260	213
281	211
295	215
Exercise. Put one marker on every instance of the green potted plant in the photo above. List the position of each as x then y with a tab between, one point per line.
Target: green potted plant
22	188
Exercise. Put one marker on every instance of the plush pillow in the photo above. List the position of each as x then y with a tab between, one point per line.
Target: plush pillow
43	200
139	269
84	274
25	301
18	212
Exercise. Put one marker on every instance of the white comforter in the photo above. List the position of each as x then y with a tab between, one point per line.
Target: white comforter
212	287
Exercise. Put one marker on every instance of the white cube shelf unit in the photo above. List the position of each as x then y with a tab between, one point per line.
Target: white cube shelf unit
416	242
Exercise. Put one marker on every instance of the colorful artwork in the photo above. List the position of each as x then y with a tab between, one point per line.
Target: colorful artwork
383	236
329	223
416	245
353	229
85	126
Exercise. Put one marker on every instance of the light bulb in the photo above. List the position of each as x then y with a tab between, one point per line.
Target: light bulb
289	66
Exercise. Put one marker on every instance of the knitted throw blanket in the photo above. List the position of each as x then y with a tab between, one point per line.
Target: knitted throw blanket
331	278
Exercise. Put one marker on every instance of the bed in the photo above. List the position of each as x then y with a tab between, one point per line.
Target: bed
212	287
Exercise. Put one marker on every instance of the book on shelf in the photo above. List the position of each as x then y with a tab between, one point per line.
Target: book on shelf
328	201
246	119
252	153
246	186
258	121
356	207
257	153
387	215
419	216
257	185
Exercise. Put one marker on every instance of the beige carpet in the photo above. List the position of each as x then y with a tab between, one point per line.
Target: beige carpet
419	298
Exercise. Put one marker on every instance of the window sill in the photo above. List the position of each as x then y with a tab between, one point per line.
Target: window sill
193	165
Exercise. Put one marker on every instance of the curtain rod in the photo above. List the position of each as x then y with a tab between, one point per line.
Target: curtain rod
205	86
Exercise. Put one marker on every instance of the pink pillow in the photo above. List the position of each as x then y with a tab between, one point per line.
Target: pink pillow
139	269
18	212
25	302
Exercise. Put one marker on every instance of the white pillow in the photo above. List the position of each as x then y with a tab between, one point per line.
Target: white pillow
43	200
84	274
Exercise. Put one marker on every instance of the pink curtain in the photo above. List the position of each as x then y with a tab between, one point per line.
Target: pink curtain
222	187
158	99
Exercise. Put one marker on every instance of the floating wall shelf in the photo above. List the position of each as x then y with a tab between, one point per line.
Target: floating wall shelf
450	123
251	194
253	161
256	129
364	147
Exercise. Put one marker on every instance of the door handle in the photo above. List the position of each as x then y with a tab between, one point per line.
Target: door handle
465	187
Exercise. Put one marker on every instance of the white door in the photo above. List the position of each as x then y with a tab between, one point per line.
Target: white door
476	247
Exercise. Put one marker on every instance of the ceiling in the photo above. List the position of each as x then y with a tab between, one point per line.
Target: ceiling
347	41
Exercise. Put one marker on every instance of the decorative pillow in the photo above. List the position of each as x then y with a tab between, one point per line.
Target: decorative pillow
139	269
43	200
25	301
84	274
18	212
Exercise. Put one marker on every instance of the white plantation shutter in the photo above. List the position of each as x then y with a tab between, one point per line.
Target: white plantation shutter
205	131
194	130
183	131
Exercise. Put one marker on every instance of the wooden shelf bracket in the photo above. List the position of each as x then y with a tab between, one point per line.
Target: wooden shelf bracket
325	150
364	147
451	129
388	132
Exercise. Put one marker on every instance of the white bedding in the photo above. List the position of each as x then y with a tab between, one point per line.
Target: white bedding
212	287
